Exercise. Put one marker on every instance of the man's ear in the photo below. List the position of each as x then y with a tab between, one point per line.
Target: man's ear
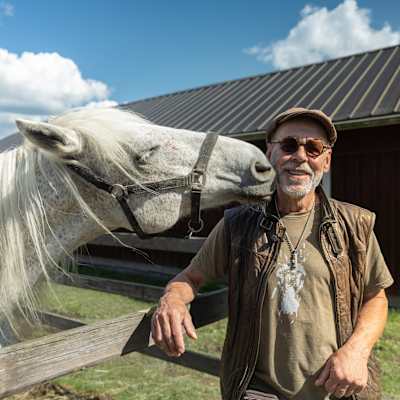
61	142
327	161
269	150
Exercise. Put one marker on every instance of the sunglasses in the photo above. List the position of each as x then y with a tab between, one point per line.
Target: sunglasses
313	147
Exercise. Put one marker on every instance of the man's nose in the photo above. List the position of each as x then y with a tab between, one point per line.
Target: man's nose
300	154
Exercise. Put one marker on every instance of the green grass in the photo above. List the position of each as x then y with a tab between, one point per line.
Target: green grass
88	305
388	352
137	377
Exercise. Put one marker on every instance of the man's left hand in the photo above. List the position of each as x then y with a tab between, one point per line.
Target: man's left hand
344	373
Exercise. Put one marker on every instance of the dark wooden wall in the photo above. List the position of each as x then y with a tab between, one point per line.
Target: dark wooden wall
366	172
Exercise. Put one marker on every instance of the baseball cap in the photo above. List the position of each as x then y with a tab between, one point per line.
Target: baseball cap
299	112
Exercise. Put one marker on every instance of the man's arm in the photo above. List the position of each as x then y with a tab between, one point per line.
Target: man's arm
172	318
346	372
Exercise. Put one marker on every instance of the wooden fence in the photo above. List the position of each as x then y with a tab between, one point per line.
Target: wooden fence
77	346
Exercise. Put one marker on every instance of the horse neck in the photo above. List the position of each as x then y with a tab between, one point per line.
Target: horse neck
60	244
40	223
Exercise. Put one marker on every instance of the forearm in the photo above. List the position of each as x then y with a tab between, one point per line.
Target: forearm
184	286
370	324
346	370
171	318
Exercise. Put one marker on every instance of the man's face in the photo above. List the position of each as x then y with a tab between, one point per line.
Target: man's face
298	174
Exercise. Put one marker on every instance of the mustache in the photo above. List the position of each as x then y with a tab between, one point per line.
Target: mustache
303	168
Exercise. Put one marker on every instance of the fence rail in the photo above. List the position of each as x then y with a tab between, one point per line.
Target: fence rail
129	289
198	361
179	245
26	364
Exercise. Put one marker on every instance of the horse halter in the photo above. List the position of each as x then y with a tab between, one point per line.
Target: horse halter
194	181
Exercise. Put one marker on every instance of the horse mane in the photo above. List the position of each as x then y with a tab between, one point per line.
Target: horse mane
23	217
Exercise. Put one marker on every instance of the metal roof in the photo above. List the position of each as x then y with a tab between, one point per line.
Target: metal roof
361	87
11	141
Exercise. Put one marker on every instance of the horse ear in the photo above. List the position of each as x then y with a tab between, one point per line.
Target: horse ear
57	140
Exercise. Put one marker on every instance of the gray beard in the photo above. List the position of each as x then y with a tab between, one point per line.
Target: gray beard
312	184
315	180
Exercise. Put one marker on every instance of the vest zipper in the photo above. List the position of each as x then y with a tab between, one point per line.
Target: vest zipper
261	290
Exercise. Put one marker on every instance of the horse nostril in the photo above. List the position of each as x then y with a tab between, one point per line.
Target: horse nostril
262	171
262	168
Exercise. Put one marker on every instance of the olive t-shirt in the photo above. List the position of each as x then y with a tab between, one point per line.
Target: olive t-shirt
298	330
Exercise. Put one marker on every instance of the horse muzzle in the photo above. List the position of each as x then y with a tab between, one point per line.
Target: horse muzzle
262	171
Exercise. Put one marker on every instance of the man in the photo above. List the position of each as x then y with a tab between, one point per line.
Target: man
306	281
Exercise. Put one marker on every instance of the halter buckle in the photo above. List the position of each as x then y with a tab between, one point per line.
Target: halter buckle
198	179
119	191
193	229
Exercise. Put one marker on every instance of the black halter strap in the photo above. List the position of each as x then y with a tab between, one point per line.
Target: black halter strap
196	224
195	180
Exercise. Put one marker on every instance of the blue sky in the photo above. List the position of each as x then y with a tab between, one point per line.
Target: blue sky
105	51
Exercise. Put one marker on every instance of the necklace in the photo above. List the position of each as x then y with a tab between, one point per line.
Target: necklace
294	249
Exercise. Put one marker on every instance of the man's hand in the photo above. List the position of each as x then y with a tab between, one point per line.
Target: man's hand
169	323
346	370
344	373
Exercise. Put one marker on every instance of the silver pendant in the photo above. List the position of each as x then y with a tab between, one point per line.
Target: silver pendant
293	259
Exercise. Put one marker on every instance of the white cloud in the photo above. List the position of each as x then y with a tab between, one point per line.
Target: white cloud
322	34
308	9
34	85
7	9
100	104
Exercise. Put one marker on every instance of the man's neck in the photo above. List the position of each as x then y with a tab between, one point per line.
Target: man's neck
287	204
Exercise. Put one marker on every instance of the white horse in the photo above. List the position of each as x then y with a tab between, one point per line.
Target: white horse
47	210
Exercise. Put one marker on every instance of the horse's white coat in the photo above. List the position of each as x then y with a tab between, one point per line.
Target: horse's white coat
46	211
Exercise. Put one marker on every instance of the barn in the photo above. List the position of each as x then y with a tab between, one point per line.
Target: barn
360	92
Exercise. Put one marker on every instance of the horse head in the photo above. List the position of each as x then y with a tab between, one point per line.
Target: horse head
122	148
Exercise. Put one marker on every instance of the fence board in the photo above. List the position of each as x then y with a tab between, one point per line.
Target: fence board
25	364
129	289
124	266
199	362
159	243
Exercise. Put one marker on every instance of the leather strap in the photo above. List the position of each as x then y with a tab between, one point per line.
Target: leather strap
167	184
196	223
132	219
91	177
195	180
119	192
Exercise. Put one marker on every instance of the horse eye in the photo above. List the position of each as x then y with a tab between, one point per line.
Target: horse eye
145	156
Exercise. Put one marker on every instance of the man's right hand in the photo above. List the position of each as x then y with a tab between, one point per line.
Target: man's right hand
170	322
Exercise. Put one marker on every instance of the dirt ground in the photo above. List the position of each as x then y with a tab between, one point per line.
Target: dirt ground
52	391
